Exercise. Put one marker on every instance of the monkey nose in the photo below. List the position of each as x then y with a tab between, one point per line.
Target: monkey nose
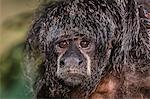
71	61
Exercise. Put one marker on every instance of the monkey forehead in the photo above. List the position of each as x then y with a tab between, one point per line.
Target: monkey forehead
67	18
69	34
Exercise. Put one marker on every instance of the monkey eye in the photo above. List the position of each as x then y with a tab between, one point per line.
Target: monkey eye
84	43
63	44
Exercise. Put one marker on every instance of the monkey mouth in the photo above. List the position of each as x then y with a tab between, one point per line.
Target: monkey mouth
74	79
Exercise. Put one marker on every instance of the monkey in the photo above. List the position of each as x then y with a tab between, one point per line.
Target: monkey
88	49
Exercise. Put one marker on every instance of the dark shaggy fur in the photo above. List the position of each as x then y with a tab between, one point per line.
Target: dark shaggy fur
110	22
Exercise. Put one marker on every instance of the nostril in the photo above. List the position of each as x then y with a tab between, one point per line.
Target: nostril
80	62
62	63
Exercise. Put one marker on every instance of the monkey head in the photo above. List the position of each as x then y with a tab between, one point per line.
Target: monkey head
72	37
74	58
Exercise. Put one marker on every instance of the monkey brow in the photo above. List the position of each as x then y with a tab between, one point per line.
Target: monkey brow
75	35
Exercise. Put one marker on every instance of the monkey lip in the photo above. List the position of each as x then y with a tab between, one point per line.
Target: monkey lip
76	76
72	76
73	79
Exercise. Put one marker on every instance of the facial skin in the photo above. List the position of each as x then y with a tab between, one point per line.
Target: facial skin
74	58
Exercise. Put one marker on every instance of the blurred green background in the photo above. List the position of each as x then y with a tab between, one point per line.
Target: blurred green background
15	19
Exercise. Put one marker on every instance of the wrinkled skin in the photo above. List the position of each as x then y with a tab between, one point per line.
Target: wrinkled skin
120	60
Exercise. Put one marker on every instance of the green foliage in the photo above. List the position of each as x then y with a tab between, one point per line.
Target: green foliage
10	66
12	84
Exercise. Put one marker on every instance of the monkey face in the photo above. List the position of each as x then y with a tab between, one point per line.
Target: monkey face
74	58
